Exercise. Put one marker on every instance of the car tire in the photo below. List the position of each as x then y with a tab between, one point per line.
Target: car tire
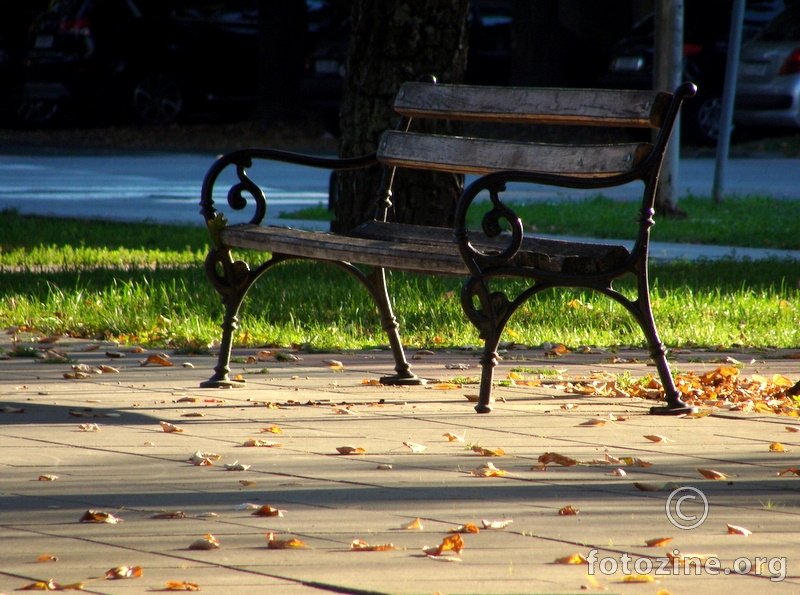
157	99
701	118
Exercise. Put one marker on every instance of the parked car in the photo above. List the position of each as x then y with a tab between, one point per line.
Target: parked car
705	48
768	89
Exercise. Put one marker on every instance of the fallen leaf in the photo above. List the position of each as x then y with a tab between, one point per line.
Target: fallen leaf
554	457
168	427
453	437
468	528
284	544
778	447
489	452
711	474
268	510
658	541
415	525
236	466
496	525
362	546
488	470
792	428
593	422
169	514
657	438
247	482
122	572
261	443
649	486
568	511
573	559
48	477
47	558
208	542
619	472
453	543
350	450
41	586
385	467
99	516
638	578
415	447
737	530
272	430
161	359
635	462
181	586
89	428
792	470
447	386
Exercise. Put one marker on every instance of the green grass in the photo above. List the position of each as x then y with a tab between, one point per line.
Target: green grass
145	284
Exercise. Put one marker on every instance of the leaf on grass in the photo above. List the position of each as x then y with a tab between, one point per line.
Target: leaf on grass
99	516
453	437
737	530
271	430
268	510
47	558
576	558
496	525
593	423
181	586
658	541
122	572
657	438
558	459
284	544
568	511
453	543
263	443
48	477
711	474
362	546
208	542
415	447
236	466
468	528
168	427
350	450
488	470
778	447
489	452
638	578
415	525
787	471
157	359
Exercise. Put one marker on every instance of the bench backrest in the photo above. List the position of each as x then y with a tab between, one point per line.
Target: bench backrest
573	107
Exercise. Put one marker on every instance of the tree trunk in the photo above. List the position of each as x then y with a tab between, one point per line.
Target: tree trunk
394	41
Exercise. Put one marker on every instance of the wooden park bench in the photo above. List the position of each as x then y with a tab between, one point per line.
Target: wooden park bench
500	248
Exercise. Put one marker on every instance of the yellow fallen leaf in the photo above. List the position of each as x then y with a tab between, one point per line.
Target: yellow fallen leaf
371	382
573	559
415	525
362	546
711	474
737	530
99	516
261	443
638	578
453	437
778	447
121	572
447	386
41	586
489	452
47	558
635	462
488	470
468	528
453	543
658	541
272	430
284	544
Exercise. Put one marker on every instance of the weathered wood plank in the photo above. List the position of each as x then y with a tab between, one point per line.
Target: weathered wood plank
482	156
528	105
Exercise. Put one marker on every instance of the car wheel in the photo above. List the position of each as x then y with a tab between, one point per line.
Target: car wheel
702	119
157	99
38	112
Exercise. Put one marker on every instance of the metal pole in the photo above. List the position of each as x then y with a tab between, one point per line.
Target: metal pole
728	96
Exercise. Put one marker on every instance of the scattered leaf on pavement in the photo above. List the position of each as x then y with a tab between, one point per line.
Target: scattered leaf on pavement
496	525
737	530
453	543
415	447
99	516
711	474
415	525
284	544
658	541
121	572
568	511
168	427
362	546
268	510
207	542
350	450
576	558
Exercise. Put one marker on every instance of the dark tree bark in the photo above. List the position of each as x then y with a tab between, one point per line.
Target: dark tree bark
283	32
394	41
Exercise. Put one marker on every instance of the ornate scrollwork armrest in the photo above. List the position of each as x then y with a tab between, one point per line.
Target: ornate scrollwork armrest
476	257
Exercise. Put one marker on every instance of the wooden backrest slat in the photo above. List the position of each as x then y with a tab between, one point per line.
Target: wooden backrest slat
523	105
482	156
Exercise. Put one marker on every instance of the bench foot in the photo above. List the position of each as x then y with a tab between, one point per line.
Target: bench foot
682	409
223	383
403	380
481	408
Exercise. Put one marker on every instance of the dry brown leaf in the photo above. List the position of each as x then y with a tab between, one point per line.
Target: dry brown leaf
160	359
47	558
619	472
415	525
593	423
99	516
568	511
272	430
558	459
168	427
468	528
489	452
181	586
789	470
169	514
792	428
657	438
122	572
576	558
415	447
41	586
496	525
284	544
488	470
350	450
261	443
362	546
47	477
658	541
635	462
778	447
453	543
268	510
208	542
453	437
711	474
737	530
236	466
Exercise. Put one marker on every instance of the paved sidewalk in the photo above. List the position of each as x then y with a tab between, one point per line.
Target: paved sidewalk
134	470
